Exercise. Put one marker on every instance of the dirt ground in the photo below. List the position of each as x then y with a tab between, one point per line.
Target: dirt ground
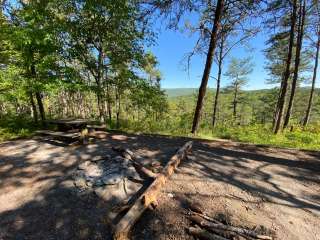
276	188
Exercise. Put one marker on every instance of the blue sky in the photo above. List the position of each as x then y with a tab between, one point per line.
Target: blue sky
171	47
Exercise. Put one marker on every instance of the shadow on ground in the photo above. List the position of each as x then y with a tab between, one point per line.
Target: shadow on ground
38	199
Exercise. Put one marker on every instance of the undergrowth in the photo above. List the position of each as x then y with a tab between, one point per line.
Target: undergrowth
298	137
16	127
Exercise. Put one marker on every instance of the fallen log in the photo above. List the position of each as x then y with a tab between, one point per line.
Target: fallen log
203	234
204	216
241	231
198	212
125	152
196	209
194	206
123	227
128	154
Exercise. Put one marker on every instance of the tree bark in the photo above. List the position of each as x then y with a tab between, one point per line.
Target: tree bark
109	104
302	13
314	77
34	108
235	103
100	106
207	69
286	75
99	86
118	104
109	111
38	96
274	119
40	105
65	112
216	98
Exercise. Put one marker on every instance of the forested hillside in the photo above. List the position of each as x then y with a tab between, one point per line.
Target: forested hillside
178	92
92	60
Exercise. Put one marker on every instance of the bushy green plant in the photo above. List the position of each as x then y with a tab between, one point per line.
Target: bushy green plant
12	127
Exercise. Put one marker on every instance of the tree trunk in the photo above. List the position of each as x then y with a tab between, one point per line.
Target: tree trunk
40	105
286	75
274	119
34	108
38	96
302	13
207	69
72	103
118	103
216	98
314	77
109	104
99	90
235	103
109	111
65	104
100	106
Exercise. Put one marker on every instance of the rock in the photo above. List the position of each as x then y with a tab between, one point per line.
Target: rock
191	158
170	195
131	187
118	159
112	179
112	194
131	172
106	157
89	184
93	170
84	165
96	158
117	193
112	171
98	183
80	180
90	179
102	164
80	183
126	164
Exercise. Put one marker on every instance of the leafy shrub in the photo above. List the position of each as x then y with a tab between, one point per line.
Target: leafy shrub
12	127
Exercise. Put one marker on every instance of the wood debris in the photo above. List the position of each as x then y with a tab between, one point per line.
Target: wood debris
209	228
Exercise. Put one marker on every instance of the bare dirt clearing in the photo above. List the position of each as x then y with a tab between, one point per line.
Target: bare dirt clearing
277	188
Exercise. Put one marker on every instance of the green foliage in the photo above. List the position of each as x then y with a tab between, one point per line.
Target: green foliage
262	135
12	127
86	53
255	134
254	121
88	59
238	71
277	45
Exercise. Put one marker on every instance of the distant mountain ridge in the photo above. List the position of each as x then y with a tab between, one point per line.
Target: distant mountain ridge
179	92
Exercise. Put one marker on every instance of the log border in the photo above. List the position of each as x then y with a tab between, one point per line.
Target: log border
149	197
